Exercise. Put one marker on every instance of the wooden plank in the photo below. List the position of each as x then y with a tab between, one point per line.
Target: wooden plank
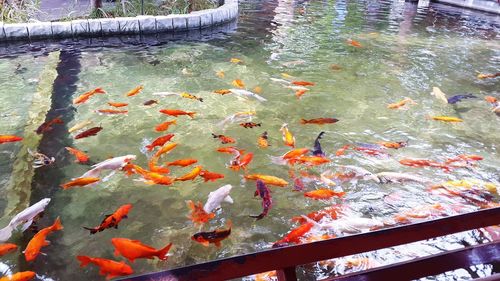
430	265
287	274
272	259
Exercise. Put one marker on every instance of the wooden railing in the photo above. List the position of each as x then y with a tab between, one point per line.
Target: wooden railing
285	260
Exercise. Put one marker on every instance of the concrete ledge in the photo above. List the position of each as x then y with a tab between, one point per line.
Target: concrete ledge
126	25
480	5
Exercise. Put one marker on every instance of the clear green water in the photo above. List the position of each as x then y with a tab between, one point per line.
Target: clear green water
404	54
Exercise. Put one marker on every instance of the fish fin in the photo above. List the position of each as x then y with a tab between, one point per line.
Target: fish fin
106	178
5	233
303	121
191	114
92	230
42	253
116	253
26	225
228	199
110	276
46	243
205	243
218	244
84	260
163	253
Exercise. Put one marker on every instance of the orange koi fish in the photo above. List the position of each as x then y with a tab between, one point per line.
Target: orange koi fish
150	102
176	112
40	240
354	43
319	121
238	83
80	182
231	150
401	103
159	141
331	212
446	119
191	175
134	91
80	156
20	276
182	162
152	177
323	193
288	138
164	126
294	153
242	163
222	92
423	163
134	249
312	160
395	145
303	83
490	75
47	125
198	215
9	138
85	97
235	61
165	149
465	158
87	133
294	235
111	220
249	125
300	93
257	90
209	176
153	166
111	111
262	140
342	150
108	268
370	151
224	139
7	248
272	180
117	104
213	237
491	99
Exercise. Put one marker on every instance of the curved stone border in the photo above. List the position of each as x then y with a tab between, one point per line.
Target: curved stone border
117	26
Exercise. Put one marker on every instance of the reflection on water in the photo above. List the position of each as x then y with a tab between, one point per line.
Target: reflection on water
406	51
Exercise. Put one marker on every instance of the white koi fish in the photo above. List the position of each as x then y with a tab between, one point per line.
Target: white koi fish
362	173
349	224
24	218
388	177
110	164
245	93
215	198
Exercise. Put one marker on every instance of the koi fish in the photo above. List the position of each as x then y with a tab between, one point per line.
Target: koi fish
111	220
220	74
243	163
288	138
182	162
401	103
245	93
109	164
446	119
198	215
349	224
111	111
302	83
238	83
300	93
491	99
235	60
354	43
361	173
159	141
484	76
9	138
294	235
295	153
134	249
319	121
439	94
79	126
222	92
224	139
465	158
272	180
165	125
231	150
40	240
80	156
191	175
331	212
391	177
265	193
212	237
209	176
150	102
189	96
176	112
153	177
19	276
341	151
250	125
79	182
108	268
458	98
165	149
262	140
317	151
258	90
40	159
85	97
423	163
323	193
312	160
395	145
117	104
238	116
134	91
153	166
24	219
47	125
216	197
87	133
7	248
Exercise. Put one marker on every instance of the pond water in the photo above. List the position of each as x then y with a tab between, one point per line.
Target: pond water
404	52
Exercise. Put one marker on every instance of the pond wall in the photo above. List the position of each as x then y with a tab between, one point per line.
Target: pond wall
119	26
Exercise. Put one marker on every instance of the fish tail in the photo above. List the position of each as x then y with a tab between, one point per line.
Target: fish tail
320	135
99	90
174	121
214	135
200	99
57	225
162	254
92	230
5	233
190	204
258	217
191	114
303	121
149	147
84	260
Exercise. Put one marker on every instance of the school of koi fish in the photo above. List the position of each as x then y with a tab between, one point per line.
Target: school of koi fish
308	166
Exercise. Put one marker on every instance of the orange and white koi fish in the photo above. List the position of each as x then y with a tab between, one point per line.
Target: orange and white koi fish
209	176
111	220
9	138
238	83
323	193
294	235
182	162
231	150
262	140
134	91
319	121
212	237
81	157
354	43
159	141
80	182
111	111
134	249
40	240
446	118
242	163
108	268
86	96
19	276
490	75
223	92
117	104
272	180
7	248
224	139
400	104
191	175
165	125
303	83
198	215
177	112
288	138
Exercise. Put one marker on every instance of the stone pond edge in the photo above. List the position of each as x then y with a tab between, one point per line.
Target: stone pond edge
118	26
